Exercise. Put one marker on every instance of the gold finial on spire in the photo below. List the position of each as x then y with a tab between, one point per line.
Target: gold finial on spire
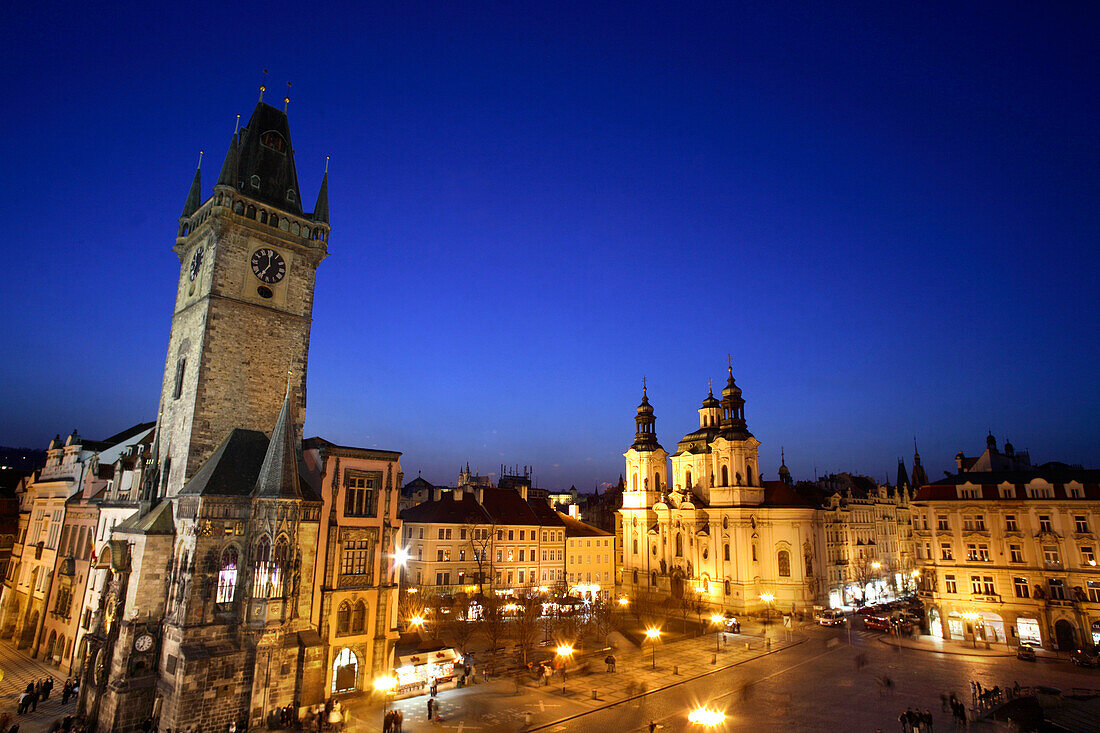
263	86
710	386
286	99
729	362
643	386
326	164
237	127
200	160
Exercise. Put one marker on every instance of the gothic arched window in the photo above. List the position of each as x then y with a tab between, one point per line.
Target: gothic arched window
783	560
261	569
279	566
343	618
635	544
359	618
679	545
227	575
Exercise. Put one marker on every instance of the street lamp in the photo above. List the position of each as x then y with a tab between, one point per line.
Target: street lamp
564	652
717	619
976	619
653	635
706	717
385	684
624	601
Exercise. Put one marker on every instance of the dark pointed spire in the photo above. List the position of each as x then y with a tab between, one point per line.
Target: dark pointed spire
278	477
194	196
920	478
320	211
228	175
903	476
265	165
784	472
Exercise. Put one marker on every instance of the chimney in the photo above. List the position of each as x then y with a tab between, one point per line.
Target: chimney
959	458
523	491
479	494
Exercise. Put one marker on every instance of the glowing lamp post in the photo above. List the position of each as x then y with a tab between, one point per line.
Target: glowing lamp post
564	652
653	635
706	717
717	619
768	599
976	619
385	684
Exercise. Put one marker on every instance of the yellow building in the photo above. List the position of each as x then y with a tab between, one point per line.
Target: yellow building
589	558
1008	551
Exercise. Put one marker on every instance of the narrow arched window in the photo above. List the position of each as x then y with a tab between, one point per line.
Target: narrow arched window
359	618
227	575
634	482
687	480
679	545
725	475
748	474
657	480
726	552
254	181
261	569
273	221
343	618
279	567
634	543
783	560
250	212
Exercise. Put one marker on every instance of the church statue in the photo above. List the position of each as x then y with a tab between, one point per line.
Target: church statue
664	567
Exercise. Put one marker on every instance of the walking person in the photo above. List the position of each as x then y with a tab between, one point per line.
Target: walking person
398	719
431	703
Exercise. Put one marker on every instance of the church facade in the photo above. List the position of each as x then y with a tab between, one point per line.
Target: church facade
212	612
701	525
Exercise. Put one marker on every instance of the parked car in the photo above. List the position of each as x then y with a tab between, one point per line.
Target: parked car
878	623
832	617
867	610
731	622
1084	658
1025	652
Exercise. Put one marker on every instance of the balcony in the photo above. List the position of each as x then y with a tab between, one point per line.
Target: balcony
1061	602
982	598
1053	565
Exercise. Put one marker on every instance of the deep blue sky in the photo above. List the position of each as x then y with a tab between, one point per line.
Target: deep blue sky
889	216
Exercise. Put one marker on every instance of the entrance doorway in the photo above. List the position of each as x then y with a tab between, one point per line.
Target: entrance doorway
955	626
1065	635
345	671
994	627
935	623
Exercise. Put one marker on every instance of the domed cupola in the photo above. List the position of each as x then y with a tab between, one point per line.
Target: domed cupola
645	435
784	472
710	413
733	407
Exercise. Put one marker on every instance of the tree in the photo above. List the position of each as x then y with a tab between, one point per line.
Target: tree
479	537
526	626
410	604
690	602
862	572
603	617
492	623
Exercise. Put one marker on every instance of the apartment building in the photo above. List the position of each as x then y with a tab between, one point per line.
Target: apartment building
1008	551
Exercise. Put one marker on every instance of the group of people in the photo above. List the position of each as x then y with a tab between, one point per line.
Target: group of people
392	721
914	721
39	691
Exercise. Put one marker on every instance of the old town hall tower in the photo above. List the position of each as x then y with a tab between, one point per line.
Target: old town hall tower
248	256
205	619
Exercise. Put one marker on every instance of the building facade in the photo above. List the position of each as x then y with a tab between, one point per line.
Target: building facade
355	588
1008	551
708	525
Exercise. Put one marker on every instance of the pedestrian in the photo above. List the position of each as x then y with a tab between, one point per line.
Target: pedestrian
24	703
927	721
34	698
903	719
430	703
399	718
47	687
14	728
652	726
66	690
387	722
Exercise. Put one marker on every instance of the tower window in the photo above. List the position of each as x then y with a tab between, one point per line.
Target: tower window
181	365
273	140
254	181
227	576
290	195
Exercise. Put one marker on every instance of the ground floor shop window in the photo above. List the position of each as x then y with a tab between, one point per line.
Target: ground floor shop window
1027	629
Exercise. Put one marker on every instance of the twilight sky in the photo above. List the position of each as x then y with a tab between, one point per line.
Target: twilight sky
888	216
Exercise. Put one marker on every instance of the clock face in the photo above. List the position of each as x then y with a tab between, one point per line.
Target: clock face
268	265
196	263
143	643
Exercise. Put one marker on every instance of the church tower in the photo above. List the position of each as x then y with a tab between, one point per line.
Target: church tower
244	300
646	461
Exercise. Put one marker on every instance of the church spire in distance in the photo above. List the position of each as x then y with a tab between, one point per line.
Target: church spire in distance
320	211
645	434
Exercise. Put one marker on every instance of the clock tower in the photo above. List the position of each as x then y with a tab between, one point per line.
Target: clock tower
244	301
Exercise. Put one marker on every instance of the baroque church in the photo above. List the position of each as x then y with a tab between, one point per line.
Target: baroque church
709	527
212	612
